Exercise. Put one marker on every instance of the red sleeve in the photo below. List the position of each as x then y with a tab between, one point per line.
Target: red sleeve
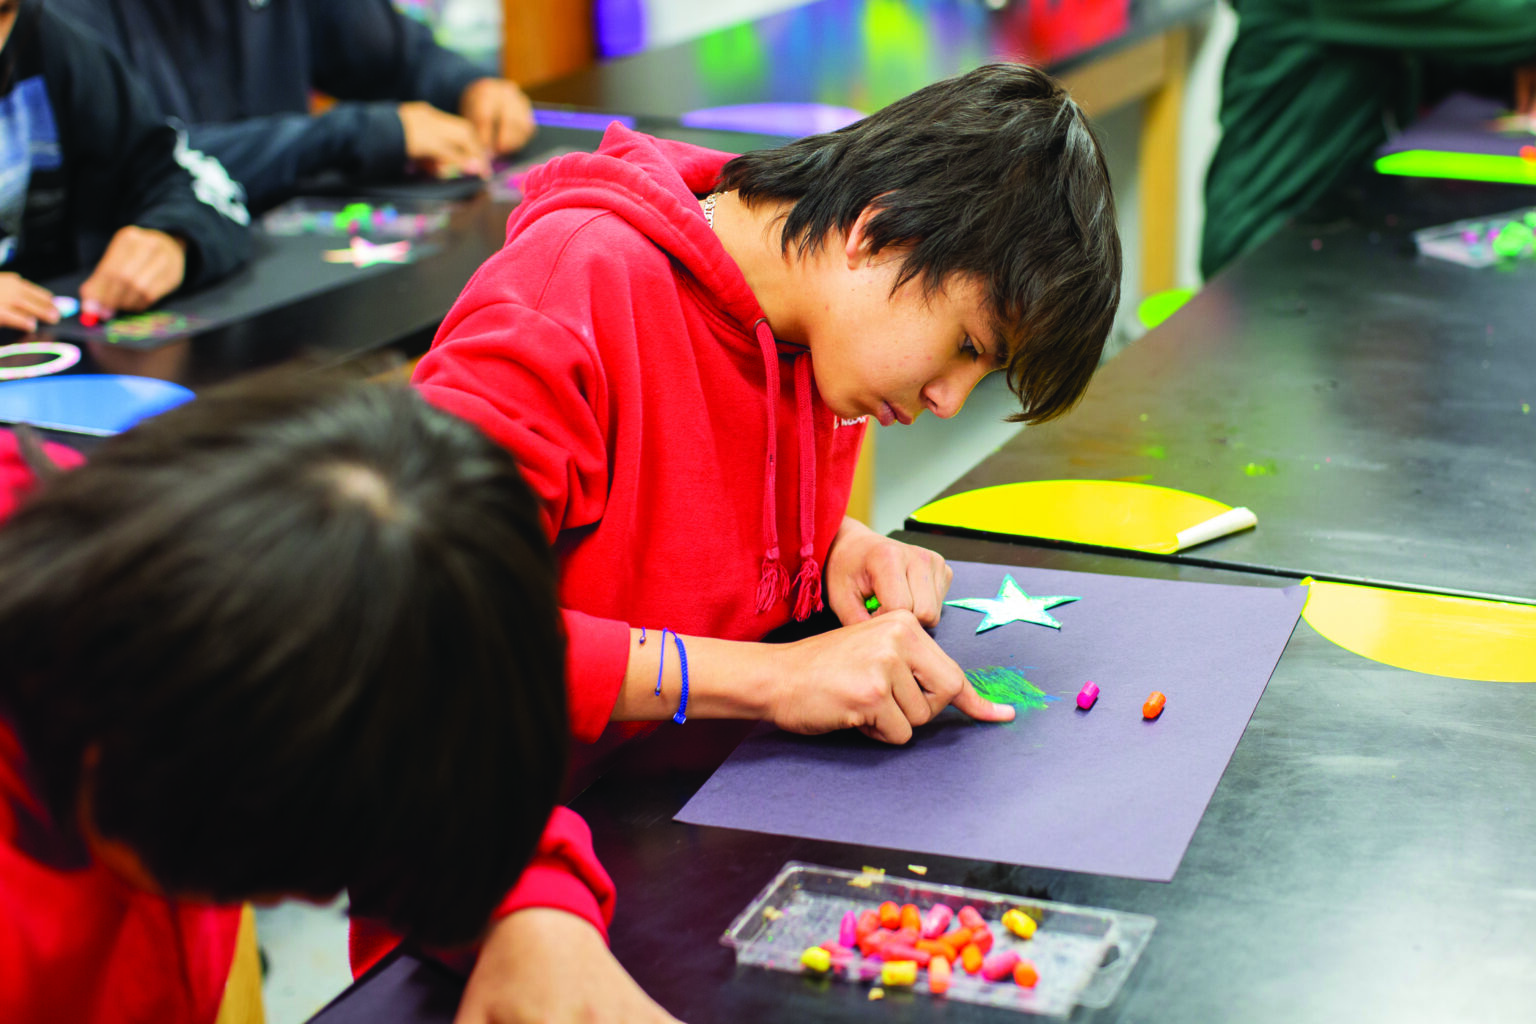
597	653
16	478
564	874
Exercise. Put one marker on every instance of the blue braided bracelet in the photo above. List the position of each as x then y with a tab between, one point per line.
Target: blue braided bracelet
682	704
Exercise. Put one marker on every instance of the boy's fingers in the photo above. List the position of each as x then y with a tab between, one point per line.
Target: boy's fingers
981	709
944	678
917	705
926	597
890	725
847	603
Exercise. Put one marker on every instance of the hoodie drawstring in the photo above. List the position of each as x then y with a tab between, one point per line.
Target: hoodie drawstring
773	582
808	579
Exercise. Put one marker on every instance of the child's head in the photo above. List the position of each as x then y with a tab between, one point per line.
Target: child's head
993	180
296	636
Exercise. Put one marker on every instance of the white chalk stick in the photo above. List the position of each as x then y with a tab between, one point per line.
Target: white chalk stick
1230	521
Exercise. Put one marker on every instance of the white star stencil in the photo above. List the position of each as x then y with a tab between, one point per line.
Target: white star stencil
1012	605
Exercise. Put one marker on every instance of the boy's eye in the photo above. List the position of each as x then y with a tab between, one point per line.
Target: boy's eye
968	346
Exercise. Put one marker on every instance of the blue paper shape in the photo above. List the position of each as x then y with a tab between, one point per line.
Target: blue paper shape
88	403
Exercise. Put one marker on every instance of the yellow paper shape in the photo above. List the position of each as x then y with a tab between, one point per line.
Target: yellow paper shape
1459	637
1104	513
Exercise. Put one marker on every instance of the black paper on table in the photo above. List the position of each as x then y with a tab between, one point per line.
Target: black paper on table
283	271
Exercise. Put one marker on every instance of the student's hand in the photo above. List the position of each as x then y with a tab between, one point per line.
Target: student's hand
861	564
501	114
23	304
545	966
444	142
140	267
882	676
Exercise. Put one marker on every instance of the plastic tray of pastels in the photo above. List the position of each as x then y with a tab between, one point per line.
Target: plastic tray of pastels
1083	954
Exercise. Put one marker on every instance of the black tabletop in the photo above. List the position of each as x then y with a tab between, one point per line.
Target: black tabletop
862	54
1368	855
1375	409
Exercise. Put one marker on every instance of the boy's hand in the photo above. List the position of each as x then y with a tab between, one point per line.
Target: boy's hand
545	966
23	304
862	564
445	143
140	267
501	114
882	677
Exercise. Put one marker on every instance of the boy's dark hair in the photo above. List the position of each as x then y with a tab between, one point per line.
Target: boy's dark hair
296	636
995	174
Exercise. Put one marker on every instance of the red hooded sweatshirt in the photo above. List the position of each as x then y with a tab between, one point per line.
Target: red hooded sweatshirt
691	476
78	944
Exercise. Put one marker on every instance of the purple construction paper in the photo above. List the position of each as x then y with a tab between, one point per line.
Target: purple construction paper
1100	791
1461	123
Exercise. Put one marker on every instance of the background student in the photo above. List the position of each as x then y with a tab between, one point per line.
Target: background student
242	76
92	177
1312	87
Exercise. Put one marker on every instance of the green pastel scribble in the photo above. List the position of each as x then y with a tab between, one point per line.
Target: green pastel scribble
1155	451
1265	468
1002	685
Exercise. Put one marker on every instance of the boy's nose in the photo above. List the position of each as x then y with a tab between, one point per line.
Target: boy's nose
946	396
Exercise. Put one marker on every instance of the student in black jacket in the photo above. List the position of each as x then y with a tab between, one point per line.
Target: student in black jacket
240	73
90	174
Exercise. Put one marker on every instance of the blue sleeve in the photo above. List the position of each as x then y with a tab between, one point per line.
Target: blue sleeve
366	50
273	155
129	166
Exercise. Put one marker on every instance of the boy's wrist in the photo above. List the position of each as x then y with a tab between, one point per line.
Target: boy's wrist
731	678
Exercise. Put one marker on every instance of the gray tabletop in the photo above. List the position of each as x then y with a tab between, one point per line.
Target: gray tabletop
1375	409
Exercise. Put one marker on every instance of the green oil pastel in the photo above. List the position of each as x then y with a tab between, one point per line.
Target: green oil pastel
1002	685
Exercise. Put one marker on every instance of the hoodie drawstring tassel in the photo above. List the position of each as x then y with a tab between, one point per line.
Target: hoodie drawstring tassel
773	583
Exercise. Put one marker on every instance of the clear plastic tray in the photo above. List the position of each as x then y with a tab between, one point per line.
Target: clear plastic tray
1482	241
1083	954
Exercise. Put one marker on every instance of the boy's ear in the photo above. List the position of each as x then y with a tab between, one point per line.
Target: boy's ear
856	243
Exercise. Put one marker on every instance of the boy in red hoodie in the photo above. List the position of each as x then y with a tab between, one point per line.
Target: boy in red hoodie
682	349
291	638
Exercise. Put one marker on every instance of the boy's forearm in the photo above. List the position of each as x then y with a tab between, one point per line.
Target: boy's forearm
726	678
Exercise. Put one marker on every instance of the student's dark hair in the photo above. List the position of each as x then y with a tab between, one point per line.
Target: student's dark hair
995	174
295	636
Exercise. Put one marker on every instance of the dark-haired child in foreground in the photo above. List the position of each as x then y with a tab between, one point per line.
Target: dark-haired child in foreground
296	637
682	350
91	176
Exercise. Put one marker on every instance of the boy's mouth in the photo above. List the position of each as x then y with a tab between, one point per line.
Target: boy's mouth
888	414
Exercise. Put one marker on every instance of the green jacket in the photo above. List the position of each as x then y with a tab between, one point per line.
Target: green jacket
1311	87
